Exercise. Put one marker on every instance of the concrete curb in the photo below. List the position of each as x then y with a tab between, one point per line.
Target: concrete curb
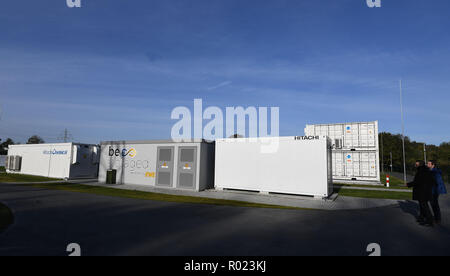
76	181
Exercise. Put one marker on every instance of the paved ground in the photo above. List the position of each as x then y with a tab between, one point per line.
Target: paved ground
334	203
48	220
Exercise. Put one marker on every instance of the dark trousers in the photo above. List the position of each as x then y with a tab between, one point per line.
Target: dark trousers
436	209
425	211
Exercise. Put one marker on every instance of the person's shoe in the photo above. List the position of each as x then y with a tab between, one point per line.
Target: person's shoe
427	224
438	221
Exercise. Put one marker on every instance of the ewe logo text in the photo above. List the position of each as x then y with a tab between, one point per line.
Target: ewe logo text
55	152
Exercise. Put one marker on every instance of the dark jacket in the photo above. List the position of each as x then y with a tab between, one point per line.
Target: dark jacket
423	184
440	188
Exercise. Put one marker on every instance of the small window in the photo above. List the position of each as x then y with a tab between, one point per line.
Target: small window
187	155
165	155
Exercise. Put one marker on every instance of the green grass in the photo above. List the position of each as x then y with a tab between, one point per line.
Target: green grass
13	178
393	181
374	194
153	196
371	186
6	217
2	169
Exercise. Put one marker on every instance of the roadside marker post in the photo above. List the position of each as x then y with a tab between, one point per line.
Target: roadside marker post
387	180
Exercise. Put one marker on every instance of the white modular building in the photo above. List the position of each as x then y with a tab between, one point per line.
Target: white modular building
62	160
355	150
162	164
286	165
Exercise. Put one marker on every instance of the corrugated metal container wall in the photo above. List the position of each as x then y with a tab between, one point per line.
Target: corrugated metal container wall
355	149
296	165
357	164
61	160
363	136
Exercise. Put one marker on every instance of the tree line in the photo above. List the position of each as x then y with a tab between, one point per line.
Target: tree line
392	143
35	139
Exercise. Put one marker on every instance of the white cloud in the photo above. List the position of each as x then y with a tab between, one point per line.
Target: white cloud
222	84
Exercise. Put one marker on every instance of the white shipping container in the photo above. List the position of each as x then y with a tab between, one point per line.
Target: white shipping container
62	160
164	164
356	136
299	165
361	165
355	150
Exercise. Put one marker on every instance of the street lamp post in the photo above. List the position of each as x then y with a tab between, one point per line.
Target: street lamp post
425	152
382	154
391	163
403	133
448	177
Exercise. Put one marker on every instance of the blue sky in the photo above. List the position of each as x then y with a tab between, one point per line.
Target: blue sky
115	69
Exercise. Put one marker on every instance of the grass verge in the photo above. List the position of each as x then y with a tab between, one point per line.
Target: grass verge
13	178
374	194
6	217
370	186
394	183
154	196
2	169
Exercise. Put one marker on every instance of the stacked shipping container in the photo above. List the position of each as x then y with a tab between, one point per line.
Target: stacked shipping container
355	150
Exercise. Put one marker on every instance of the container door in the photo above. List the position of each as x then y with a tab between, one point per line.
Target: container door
187	166
365	164
371	135
7	162
348	137
164	170
339	164
349	164
373	164
364	132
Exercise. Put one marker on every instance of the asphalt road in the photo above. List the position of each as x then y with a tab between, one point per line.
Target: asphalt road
46	221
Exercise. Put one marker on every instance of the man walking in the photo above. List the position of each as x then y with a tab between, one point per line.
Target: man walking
422	192
438	190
